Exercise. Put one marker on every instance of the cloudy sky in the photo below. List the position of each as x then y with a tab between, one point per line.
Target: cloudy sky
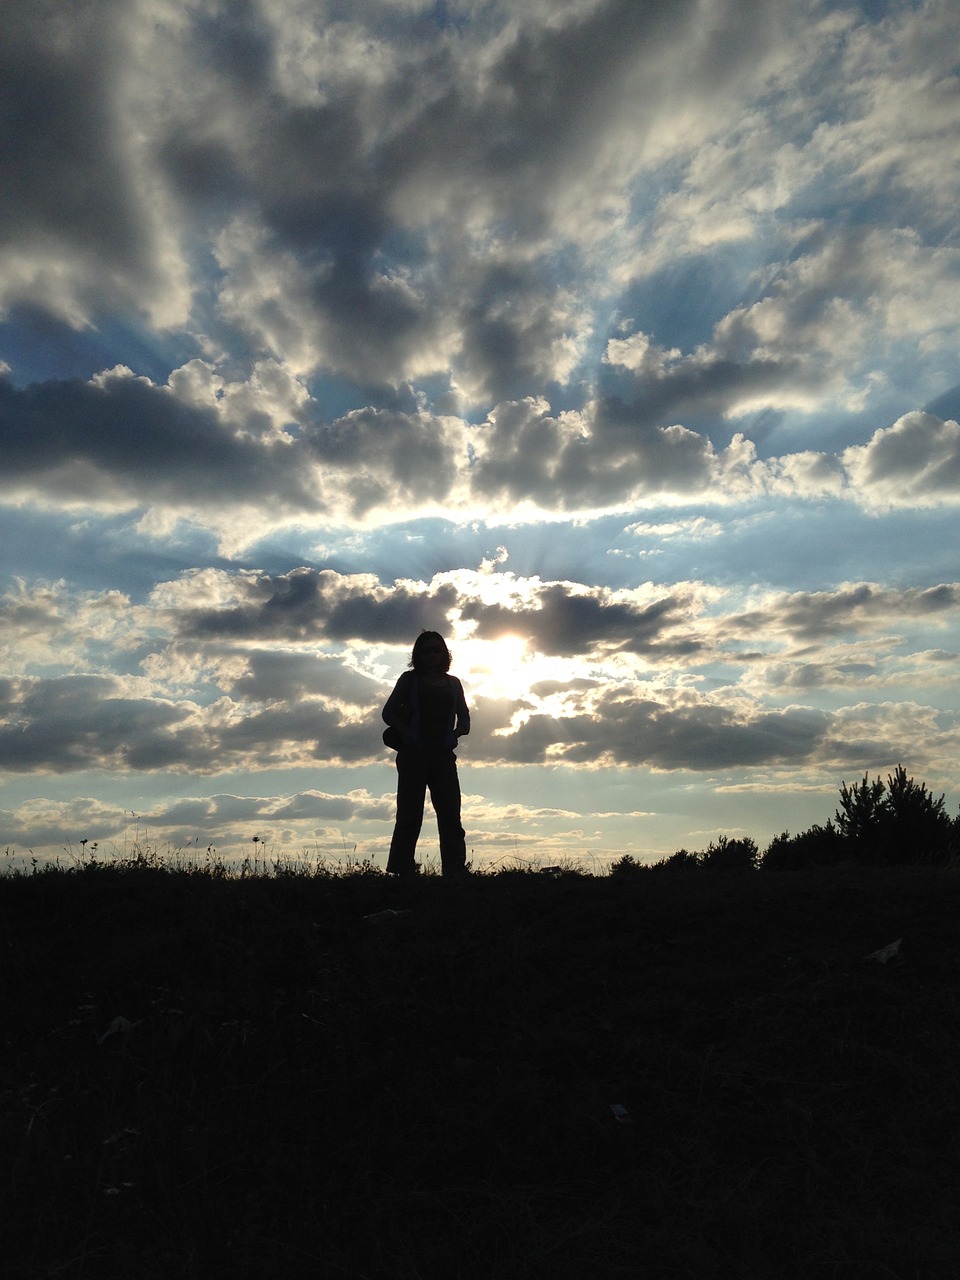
615	339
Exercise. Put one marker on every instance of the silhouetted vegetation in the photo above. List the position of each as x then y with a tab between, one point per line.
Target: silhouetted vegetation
818	847
899	822
877	824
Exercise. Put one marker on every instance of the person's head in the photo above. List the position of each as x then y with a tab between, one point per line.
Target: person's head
430	652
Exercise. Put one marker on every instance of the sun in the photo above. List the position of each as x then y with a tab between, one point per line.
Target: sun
503	667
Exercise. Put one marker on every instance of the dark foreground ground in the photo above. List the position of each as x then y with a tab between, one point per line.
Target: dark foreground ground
207	1077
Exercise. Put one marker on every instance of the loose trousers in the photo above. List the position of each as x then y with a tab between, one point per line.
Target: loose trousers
419	769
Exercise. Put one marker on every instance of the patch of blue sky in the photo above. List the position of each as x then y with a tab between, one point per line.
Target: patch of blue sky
337	395
417	549
915	377
785	431
827	430
421	549
450	17
415	21
408	246
436	546
793	546
80	547
39	347
437	397
873	10
678	305
946	405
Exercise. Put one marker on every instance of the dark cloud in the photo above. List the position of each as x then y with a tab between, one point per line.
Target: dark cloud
637	455
413	147
916	461
554	618
328	808
858	608
560	618
690	388
510	326
389	456
637	731
319	604
83	722
606	456
124	438
567	622
285	676
65	179
76	724
220	816
311	724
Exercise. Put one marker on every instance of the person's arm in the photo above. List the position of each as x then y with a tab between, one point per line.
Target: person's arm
398	711
462	726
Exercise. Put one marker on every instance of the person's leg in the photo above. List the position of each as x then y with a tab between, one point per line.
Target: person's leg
411	789
445	796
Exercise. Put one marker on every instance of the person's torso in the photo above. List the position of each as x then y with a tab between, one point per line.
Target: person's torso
436	711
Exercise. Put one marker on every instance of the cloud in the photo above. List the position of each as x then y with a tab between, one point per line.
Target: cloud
309	149
43	625
80	722
83	224
573	622
610	456
375	326
122	442
916	462
250	455
855	608
101	442
322	604
251	671
59	824
182	827
613	726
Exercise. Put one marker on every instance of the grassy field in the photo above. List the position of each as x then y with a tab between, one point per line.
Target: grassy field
212	1076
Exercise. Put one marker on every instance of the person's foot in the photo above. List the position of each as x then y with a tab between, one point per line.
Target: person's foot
405	873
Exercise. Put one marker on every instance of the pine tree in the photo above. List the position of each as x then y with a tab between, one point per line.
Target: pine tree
899	821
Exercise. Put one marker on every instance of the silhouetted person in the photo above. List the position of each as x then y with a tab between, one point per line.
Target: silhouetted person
428	714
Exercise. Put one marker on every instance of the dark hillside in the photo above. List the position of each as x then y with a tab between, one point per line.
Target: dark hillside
260	1077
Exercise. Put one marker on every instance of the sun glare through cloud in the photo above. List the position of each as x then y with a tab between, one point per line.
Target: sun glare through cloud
500	668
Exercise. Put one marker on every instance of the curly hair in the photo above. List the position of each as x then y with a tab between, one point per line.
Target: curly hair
416	658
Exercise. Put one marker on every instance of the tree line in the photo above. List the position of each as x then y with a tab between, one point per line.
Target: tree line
877	823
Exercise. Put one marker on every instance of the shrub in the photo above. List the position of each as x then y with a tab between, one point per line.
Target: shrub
682	860
626	866
724	854
818	847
